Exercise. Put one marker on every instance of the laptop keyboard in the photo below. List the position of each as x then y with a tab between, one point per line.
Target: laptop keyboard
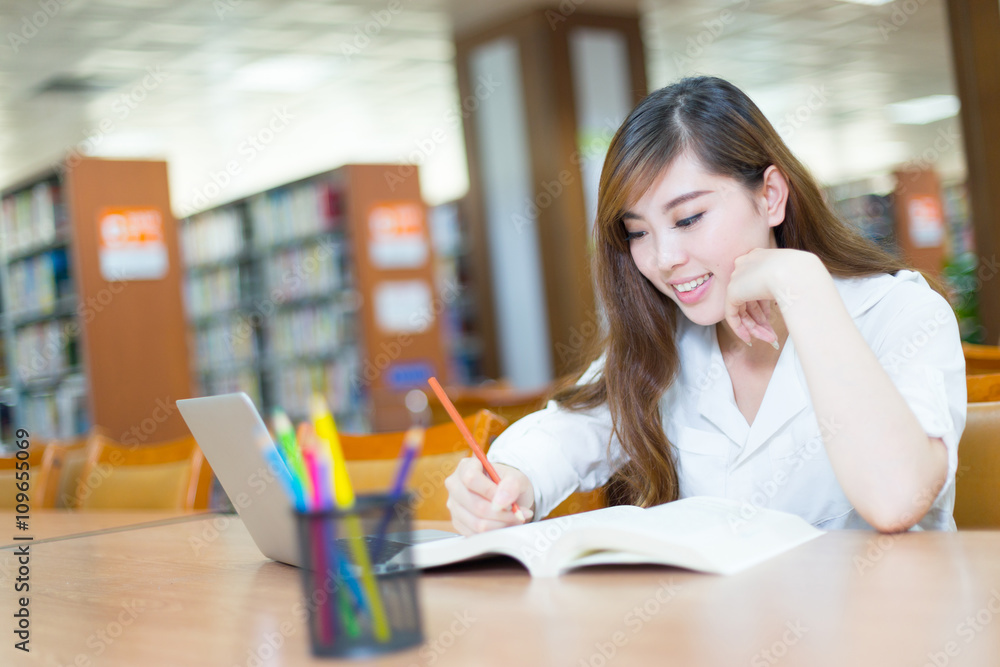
387	551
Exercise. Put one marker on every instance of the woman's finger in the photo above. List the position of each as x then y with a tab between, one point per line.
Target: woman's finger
762	327
736	323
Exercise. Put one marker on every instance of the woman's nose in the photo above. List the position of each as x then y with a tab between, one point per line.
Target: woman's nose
669	255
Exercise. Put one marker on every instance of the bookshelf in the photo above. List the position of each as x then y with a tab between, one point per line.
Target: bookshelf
91	306
310	286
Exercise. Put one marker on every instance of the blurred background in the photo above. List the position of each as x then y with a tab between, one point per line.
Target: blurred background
347	197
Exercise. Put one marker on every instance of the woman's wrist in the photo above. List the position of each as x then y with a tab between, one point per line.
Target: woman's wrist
800	280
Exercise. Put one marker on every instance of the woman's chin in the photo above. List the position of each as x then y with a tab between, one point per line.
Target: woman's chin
702	316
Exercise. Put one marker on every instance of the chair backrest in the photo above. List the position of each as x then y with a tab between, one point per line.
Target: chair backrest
978	479
981	359
372	460
61	464
983	388
171	475
509	403
9	476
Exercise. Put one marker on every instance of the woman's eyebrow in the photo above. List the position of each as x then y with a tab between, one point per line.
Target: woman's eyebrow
676	201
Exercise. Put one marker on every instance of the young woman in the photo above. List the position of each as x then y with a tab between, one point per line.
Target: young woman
757	349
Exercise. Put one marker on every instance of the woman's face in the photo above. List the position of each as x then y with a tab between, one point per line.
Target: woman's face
687	230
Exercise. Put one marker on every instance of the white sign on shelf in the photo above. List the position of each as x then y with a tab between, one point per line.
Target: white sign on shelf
397	237
403	306
131	245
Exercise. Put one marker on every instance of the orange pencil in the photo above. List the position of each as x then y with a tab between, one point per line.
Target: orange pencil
464	430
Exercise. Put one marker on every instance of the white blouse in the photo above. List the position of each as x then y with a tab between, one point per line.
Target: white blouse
779	461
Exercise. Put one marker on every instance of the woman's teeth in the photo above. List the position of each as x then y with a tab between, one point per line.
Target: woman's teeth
687	287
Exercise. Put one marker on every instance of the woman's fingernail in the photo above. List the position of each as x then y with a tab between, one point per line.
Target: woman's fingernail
775	345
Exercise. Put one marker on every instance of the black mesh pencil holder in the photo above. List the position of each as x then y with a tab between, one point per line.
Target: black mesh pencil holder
359	583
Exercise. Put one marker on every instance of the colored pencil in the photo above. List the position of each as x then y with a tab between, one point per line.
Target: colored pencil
343	494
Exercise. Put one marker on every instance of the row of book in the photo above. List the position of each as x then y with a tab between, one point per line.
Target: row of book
45	349
37	283
294	212
229	342
312	270
60	413
234	380
214	291
294	384
31	217
311	331
213	236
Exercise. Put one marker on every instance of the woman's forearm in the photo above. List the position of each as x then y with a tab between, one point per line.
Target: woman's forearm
888	467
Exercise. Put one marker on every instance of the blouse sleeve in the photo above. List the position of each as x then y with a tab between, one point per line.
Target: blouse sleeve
921	350
561	451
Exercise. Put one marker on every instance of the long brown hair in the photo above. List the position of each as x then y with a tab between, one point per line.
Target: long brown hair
730	136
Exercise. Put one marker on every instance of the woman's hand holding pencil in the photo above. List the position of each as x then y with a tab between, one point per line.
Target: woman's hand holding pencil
478	504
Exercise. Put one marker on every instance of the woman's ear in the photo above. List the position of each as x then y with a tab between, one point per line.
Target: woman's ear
775	195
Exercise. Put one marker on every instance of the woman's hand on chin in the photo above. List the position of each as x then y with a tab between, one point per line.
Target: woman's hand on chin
763	276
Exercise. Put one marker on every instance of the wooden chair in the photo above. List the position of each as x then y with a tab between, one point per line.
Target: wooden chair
372	460
171	475
977	492
981	359
9	480
983	388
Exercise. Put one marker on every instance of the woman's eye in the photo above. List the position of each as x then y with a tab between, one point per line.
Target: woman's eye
686	222
631	236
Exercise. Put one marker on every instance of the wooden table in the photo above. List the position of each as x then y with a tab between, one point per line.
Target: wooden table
197	592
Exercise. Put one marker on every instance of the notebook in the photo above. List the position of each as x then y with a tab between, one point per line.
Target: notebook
230	432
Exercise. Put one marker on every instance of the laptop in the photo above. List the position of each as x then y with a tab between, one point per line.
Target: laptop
231	433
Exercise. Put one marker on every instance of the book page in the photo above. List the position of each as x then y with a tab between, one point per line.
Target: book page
529	543
700	533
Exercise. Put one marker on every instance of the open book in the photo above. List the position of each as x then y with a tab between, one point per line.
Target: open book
699	533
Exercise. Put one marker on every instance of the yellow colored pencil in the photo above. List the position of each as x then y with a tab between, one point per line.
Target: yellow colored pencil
343	494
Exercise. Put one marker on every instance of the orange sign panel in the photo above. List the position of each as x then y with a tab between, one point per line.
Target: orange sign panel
131	244
397	236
